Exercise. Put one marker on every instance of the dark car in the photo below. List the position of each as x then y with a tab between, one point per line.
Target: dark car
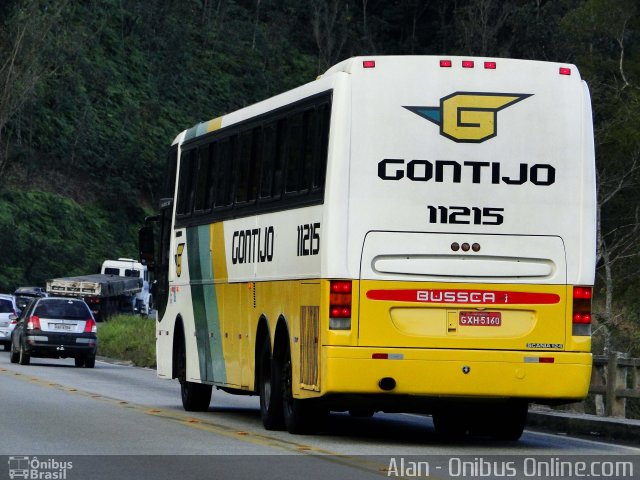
55	327
25	294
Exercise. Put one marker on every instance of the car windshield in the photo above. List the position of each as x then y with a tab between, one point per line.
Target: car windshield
6	306
63	309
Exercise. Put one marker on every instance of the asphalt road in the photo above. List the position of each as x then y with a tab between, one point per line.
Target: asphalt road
117	421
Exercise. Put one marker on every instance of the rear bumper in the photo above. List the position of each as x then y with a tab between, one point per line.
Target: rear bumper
458	373
56	345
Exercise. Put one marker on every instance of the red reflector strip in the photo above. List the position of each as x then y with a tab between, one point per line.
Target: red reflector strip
369	64
539	360
387	356
469	297
467	64
565	71
446	63
490	65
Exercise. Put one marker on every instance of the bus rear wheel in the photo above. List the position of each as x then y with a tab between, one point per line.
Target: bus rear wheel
501	420
300	416
449	424
508	420
270	385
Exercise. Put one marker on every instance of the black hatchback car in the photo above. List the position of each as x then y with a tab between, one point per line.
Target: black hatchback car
55	327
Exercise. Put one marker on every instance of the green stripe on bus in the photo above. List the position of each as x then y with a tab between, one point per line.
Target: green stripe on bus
205	305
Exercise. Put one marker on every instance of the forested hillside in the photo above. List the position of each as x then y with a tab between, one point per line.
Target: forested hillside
93	91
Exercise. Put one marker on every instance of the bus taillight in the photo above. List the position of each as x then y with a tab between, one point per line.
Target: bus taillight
581	313
340	305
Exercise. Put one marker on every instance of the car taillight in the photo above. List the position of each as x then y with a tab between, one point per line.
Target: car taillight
90	326
581	313
33	323
340	305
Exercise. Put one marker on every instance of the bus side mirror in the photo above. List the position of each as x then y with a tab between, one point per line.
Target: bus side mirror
146	246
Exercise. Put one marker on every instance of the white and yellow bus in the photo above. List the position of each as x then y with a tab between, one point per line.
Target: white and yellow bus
403	234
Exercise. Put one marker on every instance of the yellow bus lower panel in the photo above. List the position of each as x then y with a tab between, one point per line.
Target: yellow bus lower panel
458	373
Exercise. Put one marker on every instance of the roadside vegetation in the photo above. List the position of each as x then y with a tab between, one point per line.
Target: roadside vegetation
129	338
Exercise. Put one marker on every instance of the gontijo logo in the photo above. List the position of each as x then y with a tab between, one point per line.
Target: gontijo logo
469	117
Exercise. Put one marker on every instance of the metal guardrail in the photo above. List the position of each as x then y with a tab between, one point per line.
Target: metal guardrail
615	378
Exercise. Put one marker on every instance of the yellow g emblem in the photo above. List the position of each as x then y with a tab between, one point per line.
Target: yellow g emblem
469	117
178	259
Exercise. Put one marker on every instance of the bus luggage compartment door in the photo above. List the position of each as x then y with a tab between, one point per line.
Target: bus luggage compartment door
470	291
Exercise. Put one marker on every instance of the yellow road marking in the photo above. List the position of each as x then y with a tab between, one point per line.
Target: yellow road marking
253	437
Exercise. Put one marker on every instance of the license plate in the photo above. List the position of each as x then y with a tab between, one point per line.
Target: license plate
4	324
480	319
62	326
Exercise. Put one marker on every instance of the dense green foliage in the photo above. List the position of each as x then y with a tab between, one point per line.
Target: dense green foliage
93	91
130	338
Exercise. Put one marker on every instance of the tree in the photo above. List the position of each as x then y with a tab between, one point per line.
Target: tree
603	32
22	40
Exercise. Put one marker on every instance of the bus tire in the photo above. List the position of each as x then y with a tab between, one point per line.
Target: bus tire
361	412
508	422
300	416
196	397
270	388
449	424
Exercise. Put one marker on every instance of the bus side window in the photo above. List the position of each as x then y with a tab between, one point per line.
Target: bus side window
202	180
225	180
295	144
186	187
272	160
278	166
322	150
308	149
211	174
268	160
248	166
